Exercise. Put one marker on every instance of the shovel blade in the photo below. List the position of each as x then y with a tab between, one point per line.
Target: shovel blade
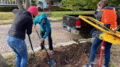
51	62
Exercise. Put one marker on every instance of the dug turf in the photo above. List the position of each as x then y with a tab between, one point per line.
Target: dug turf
74	55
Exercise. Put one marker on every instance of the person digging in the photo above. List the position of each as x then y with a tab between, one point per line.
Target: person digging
45	30
21	25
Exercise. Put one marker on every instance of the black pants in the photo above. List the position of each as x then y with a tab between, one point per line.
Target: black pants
49	41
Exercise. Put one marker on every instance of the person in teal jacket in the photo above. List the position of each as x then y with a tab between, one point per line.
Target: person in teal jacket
45	30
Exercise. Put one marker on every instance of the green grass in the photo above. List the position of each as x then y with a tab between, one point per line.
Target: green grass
61	13
112	66
58	18
113	47
7	17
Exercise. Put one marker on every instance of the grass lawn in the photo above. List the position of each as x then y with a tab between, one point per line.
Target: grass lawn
7	17
61	13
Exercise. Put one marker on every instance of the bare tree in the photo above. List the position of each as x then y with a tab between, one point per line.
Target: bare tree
19	3
26	4
23	4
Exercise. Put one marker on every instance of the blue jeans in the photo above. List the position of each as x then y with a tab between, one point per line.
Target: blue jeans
95	45
20	49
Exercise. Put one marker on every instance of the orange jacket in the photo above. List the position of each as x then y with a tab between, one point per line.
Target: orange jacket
109	16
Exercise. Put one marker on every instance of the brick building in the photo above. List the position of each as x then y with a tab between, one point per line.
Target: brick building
49	4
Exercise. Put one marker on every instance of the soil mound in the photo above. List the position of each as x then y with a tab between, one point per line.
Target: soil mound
74	55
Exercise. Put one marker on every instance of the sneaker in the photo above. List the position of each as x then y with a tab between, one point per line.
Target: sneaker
103	66
52	51
87	65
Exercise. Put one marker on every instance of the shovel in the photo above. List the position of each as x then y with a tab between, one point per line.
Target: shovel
33	53
51	61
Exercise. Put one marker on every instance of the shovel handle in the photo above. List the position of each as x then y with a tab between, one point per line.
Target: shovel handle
42	44
33	53
37	32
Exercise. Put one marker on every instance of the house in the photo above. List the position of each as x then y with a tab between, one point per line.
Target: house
42	4
48	4
8	2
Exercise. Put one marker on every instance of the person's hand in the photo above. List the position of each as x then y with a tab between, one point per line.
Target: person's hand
41	40
34	27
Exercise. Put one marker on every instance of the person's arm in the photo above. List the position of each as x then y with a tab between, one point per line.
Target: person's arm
36	20
47	31
99	15
29	26
118	18
15	11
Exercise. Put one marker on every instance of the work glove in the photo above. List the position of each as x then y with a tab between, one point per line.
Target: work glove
34	27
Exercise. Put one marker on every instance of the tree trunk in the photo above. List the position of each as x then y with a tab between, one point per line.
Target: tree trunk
104	0
19	3
2	62
27	4
23	4
49	5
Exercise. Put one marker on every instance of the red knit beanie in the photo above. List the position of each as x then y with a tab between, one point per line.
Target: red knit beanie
33	10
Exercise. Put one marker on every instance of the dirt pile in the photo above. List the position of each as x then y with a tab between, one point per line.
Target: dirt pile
74	55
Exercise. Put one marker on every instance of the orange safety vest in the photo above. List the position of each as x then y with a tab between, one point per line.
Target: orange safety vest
109	16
